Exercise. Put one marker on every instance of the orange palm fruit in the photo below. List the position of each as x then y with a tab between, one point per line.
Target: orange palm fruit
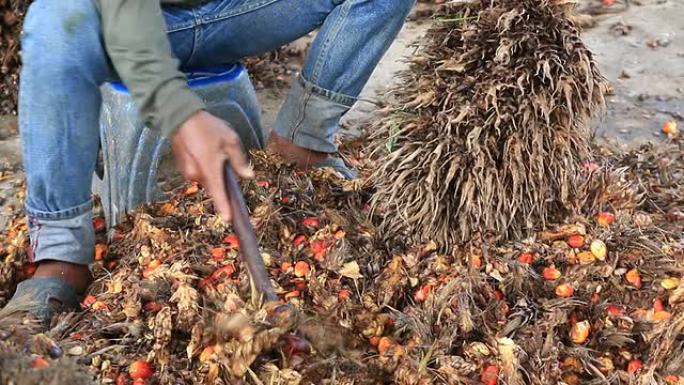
299	239
221	273
490	375
39	362
301	269
634	366
99	223
88	301
168	208
586	258
580	332
551	273
571	362
319	248
192	189
565	290
76	336
218	254
148	272
100	251
152	307
343	295
99	305
206	354
527	258
605	219
263	183
599	249
634	278
384	345
140	369
571	379
374	341
422	293
476	261
670	128
661	315
658	305
639	314
595	297
615	310
671	379
312	222
232	240
117	236
576	241
121	379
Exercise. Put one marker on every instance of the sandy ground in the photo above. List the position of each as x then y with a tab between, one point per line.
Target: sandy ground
640	51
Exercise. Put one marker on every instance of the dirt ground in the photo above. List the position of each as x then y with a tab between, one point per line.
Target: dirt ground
640	50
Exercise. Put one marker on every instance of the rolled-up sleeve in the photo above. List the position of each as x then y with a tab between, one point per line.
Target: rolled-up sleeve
136	41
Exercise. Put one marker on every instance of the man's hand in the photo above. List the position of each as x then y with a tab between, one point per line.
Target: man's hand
200	147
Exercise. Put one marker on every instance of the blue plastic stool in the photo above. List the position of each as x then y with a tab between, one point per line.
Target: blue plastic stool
131	152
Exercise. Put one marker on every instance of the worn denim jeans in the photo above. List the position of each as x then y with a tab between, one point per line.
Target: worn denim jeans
65	63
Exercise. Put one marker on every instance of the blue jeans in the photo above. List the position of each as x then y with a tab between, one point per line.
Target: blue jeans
64	68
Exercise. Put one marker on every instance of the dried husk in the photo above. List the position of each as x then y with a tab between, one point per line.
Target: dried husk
491	125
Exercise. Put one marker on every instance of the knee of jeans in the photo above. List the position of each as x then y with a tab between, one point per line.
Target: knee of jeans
62	35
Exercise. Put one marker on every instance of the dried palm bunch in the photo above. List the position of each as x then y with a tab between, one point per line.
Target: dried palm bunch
491	126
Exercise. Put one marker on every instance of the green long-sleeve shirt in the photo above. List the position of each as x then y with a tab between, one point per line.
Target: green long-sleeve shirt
135	38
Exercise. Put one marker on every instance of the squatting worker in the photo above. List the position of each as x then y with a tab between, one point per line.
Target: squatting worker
71	47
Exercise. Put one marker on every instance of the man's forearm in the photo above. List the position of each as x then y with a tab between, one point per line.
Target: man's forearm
135	38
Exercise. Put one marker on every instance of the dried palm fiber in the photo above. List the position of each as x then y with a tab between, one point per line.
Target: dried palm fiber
491	125
11	15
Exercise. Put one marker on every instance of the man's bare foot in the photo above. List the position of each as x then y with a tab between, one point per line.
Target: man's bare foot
77	276
303	158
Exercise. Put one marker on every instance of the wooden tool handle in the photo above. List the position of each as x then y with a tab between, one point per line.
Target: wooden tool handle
249	247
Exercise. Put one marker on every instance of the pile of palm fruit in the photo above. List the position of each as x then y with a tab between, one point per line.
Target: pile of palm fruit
489	241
